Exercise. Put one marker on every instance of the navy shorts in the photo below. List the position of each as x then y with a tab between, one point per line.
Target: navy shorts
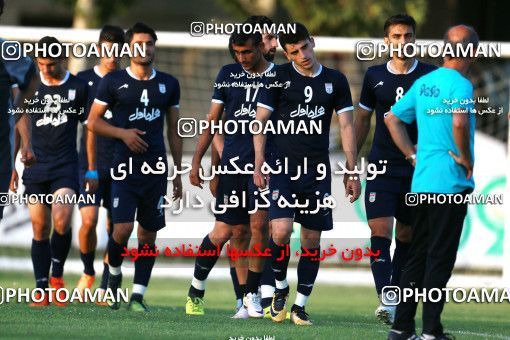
102	196
143	196
50	186
243	186
5	179
385	197
305	187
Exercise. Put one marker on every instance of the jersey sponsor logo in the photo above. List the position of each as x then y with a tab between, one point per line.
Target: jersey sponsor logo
162	88
329	88
249	111
52	119
310	112
371	197
71	94
381	83
145	114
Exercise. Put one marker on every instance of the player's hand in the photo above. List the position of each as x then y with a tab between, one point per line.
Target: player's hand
13	185
194	175
27	156
177	183
213	185
135	143
352	187
91	185
466	163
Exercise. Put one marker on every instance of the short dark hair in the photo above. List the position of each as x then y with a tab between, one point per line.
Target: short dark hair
259	19
289	37
140	27
399	19
238	37
112	34
49	47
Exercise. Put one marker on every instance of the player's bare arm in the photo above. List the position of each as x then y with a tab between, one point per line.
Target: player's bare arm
461	130
348	136
131	137
400	136
175	143
204	141
259	145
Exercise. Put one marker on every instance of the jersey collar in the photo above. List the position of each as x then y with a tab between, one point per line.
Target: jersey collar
58	84
410	70
131	74
96	71
304	75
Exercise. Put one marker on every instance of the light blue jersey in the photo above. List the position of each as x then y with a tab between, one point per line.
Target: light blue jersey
430	102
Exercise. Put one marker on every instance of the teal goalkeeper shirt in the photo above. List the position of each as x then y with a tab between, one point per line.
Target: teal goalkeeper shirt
430	101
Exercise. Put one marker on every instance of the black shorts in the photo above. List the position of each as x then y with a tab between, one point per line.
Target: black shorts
385	197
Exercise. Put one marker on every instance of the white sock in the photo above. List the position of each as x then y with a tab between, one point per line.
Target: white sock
198	284
266	291
281	284
114	270
239	303
301	299
139	289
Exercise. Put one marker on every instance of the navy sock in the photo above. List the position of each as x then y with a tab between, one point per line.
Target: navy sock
204	264
41	260
104	277
60	246
143	266
399	261
253	281
235	283
88	262
381	265
242	288
267	277
278	264
115	251
308	267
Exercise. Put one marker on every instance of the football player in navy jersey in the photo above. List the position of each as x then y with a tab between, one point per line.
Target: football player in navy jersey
270	43
95	173
236	89
57	108
315	92
382	87
140	99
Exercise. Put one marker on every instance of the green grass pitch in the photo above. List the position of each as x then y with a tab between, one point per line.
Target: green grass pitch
338	313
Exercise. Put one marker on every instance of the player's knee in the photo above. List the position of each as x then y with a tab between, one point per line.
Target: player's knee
41	231
121	235
380	229
88	223
240	235
281	236
220	236
403	233
259	229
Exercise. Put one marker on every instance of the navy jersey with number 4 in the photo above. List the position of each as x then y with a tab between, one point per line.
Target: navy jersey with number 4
139	104
55	112
381	89
237	90
104	145
306	98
